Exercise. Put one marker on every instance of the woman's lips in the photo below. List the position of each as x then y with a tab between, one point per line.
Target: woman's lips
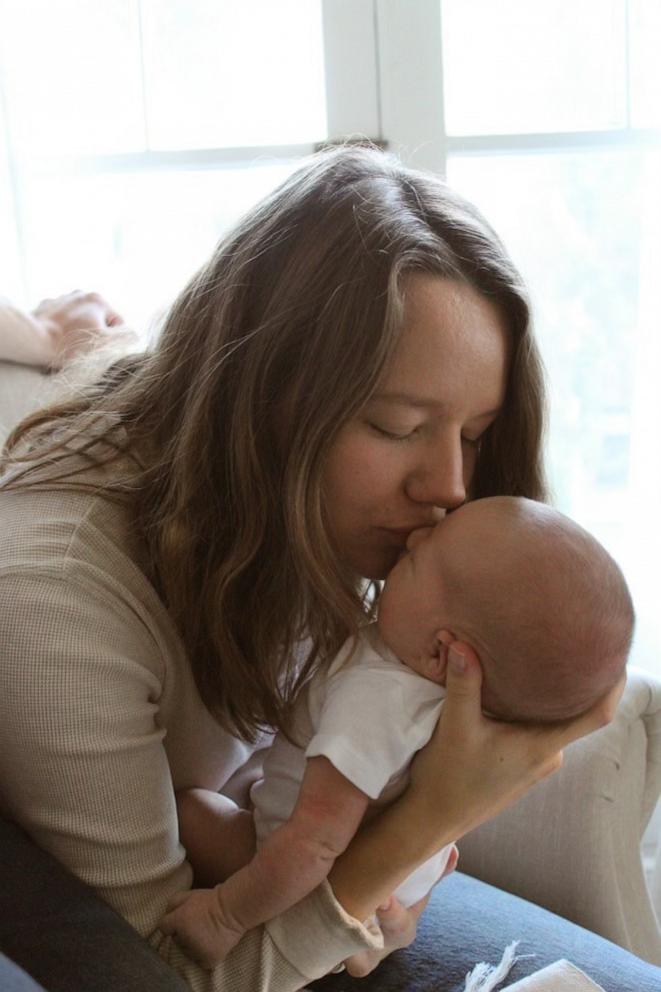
403	532
398	537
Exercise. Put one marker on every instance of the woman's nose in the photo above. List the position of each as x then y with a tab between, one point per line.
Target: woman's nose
439	478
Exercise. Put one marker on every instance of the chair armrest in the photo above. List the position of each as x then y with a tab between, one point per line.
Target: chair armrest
572	844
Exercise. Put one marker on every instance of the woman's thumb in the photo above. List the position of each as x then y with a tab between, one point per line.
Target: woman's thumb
463	681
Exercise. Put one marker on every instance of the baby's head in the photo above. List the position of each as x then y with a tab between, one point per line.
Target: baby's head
541	601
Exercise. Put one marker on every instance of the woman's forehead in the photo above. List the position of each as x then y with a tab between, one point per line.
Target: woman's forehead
453	345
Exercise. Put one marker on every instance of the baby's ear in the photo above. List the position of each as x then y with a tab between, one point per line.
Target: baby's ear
438	659
445	637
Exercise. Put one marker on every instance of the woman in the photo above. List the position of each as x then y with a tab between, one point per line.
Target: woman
186	543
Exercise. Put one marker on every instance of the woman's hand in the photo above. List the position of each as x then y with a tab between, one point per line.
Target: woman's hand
398	926
72	324
474	766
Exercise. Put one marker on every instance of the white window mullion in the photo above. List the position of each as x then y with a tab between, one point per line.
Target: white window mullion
12	254
553	142
351	62
411	81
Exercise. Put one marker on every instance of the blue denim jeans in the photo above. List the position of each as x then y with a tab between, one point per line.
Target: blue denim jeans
54	927
14	979
467	921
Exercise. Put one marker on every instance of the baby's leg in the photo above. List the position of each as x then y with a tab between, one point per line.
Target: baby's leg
218	836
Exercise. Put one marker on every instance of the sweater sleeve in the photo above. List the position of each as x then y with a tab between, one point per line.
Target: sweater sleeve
22	338
84	770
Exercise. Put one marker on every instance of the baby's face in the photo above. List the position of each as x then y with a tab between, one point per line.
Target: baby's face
413	605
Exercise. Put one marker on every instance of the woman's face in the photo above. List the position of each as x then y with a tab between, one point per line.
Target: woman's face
409	455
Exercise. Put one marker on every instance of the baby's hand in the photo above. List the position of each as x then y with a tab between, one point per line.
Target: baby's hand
200	926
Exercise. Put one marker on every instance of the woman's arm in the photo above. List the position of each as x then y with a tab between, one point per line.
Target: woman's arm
80	683
84	771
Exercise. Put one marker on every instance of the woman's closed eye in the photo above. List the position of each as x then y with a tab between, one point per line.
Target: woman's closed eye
473	441
394	435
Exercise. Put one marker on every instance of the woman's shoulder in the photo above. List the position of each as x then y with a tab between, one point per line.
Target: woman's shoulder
73	574
46	523
85	539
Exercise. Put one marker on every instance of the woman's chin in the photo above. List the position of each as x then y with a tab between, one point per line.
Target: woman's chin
380	564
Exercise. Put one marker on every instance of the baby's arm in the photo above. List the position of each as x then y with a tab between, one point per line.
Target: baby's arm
293	860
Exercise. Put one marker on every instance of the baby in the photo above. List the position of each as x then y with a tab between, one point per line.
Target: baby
550	616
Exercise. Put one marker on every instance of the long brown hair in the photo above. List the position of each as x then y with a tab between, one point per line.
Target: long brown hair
271	348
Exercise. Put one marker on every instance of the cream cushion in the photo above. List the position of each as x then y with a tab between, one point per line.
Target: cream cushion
572	844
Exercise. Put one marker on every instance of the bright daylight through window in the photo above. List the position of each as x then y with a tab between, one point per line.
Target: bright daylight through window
559	151
545	113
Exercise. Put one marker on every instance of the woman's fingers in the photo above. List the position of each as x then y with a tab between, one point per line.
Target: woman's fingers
398	926
463	683
599	715
487	764
552	739
417	909
450	864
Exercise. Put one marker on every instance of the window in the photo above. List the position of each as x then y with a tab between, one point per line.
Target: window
151	125
547	115
137	131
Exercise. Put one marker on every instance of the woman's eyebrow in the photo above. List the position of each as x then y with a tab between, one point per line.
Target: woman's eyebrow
405	399
409	399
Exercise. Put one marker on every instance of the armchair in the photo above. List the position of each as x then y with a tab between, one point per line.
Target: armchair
572	844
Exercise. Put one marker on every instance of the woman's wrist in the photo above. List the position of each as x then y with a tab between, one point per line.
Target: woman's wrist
383	854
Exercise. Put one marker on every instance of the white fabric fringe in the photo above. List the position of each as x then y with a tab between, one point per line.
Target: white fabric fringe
484	977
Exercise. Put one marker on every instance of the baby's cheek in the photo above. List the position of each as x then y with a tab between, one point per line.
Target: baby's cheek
395	624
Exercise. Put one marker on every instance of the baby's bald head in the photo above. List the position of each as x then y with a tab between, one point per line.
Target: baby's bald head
544	604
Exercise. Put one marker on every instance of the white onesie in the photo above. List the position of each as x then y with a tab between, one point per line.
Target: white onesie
368	715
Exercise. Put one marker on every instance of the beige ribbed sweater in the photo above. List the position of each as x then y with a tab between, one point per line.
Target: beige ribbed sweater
100	721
